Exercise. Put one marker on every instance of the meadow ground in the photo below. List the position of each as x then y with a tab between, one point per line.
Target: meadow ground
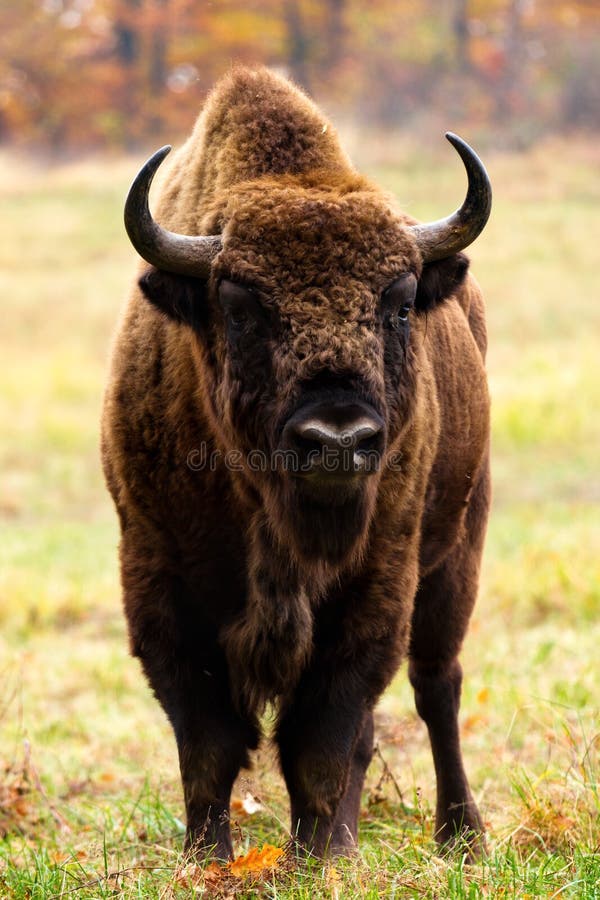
90	803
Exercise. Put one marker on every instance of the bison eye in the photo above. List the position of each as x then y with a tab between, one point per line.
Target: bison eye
397	319
240	306
238	317
397	301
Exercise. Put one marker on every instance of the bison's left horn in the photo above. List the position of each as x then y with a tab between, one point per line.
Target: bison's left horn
164	249
437	240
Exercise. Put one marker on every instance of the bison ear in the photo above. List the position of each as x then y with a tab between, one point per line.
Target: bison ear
440	279
181	297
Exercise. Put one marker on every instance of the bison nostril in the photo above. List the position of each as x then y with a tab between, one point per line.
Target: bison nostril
317	435
342	439
370	444
305	443
359	435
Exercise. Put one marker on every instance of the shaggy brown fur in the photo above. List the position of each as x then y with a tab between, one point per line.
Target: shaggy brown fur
243	587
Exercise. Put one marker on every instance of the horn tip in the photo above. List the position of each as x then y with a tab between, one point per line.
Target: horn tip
454	139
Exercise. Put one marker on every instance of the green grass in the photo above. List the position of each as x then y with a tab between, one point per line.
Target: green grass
90	802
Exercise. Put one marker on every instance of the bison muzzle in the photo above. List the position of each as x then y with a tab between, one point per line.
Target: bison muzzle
326	353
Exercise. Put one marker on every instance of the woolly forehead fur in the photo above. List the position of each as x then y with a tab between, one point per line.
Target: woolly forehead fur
314	252
321	258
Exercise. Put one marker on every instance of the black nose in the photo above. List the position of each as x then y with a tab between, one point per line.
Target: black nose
328	439
358	436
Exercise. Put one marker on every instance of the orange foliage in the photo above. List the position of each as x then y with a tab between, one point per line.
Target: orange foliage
124	72
256	860
226	880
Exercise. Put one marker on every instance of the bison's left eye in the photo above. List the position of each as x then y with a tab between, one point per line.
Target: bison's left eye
397	301
397	319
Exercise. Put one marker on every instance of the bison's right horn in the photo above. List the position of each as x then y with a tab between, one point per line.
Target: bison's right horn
438	240
164	249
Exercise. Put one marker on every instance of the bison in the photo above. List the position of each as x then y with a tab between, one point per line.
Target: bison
295	436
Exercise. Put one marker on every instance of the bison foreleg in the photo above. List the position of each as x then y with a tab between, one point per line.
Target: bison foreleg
437	698
213	742
345	827
324	752
443	605
212	749
188	673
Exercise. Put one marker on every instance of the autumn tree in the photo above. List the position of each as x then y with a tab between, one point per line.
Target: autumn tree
297	42
81	73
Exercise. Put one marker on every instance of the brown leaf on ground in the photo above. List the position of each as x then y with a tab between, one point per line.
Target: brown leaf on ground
256	860
16	811
61	857
474	723
333	882
107	777
245	806
196	877
23	799
224	881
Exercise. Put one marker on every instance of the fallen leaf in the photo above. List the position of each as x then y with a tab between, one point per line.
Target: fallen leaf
61	857
563	822
21	807
256	860
194	873
473	722
106	777
334	882
246	806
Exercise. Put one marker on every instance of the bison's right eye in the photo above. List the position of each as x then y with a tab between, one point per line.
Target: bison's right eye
240	306
238	317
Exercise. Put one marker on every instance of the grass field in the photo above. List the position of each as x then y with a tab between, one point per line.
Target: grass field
90	802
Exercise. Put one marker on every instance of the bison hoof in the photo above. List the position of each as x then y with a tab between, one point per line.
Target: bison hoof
468	844
467	841
342	842
462	835
197	849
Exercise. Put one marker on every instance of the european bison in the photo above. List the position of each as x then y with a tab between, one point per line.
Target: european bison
295	435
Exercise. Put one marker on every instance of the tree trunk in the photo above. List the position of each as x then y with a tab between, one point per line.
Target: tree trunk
460	29
127	38
335	31
509	85
297	43
157	74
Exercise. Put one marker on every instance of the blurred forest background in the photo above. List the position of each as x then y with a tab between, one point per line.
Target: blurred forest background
90	797
77	75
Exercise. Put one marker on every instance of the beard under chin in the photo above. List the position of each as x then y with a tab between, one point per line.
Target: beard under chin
323	530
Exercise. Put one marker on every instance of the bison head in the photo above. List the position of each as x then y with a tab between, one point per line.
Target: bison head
308	311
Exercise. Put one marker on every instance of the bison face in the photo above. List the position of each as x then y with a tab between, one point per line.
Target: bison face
310	326
308	307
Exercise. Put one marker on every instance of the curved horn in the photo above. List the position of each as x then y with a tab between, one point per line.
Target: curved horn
437	240
164	249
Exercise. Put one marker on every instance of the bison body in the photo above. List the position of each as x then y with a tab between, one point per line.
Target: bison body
295	435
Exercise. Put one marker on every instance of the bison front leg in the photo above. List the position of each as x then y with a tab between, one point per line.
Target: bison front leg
437	697
325	732
443	605
345	828
188	672
323	762
212	743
